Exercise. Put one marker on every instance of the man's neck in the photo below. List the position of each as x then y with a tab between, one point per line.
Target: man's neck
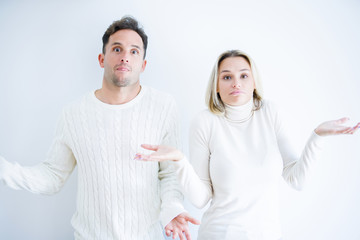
117	95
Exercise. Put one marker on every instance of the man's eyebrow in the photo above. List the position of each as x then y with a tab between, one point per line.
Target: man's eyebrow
118	43
136	46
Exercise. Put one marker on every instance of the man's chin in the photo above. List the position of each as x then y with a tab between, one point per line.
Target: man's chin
124	83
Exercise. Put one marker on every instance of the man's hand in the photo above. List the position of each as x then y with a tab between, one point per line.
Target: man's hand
178	227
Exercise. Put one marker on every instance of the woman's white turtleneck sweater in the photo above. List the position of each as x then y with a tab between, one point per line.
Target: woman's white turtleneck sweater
236	162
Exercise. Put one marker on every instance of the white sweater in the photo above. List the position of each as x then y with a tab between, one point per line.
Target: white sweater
118	197
237	161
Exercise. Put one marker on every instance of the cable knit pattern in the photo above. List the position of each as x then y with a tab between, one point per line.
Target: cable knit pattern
237	162
118	197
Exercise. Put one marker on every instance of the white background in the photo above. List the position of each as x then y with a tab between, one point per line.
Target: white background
307	53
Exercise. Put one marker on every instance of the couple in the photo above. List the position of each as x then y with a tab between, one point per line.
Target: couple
238	151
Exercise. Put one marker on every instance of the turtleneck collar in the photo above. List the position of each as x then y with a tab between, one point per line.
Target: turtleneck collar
239	113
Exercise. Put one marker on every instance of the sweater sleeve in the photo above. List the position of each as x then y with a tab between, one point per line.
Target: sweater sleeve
171	196
194	178
295	168
47	177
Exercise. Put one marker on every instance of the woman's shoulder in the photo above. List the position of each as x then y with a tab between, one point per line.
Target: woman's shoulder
204	114
203	118
268	106
272	111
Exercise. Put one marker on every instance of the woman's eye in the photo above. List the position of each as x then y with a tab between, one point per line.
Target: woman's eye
227	78
244	76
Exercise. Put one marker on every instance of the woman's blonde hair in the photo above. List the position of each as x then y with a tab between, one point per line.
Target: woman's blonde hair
212	97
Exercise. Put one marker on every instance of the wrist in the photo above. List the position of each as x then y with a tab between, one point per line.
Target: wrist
180	156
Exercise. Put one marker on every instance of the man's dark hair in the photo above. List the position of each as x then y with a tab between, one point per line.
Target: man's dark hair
126	22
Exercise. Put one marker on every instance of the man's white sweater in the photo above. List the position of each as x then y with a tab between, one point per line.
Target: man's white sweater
237	161
118	197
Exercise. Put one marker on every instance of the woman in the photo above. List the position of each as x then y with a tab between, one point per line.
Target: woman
239	150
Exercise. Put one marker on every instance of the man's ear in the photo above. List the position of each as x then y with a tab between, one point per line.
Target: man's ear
101	60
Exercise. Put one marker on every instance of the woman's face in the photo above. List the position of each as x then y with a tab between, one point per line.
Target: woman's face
235	81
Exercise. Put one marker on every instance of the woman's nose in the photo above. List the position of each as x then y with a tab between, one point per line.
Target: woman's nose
236	83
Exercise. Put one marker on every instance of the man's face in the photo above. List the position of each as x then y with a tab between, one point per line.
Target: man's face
123	59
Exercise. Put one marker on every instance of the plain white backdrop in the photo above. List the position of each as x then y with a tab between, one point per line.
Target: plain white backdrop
307	53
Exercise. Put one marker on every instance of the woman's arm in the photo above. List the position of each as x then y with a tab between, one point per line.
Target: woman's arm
194	178
295	168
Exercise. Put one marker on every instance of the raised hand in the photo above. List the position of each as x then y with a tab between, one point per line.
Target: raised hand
336	127
161	153
178	227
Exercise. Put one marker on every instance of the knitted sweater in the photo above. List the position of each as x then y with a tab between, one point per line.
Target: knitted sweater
236	162
118	197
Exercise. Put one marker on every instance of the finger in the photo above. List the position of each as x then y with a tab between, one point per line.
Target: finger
342	120
175	234
149	158
192	220
150	147
154	157
187	234
344	131
168	230
141	157
168	233
353	130
181	236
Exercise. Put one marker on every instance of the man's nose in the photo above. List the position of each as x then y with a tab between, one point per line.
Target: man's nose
124	58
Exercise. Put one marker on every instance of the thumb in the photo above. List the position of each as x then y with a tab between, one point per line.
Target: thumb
150	147
192	220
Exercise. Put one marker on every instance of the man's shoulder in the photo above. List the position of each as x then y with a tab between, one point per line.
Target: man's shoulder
157	93
78	102
159	97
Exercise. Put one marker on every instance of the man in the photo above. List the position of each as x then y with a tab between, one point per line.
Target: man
118	197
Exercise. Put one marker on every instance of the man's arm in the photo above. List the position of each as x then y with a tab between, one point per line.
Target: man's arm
47	177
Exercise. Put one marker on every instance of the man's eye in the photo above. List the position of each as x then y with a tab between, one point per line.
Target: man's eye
116	49
134	51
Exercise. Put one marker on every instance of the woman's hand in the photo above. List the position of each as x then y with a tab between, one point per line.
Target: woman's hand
178	227
335	127
162	153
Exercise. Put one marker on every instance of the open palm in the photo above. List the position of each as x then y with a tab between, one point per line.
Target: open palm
178	227
336	127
